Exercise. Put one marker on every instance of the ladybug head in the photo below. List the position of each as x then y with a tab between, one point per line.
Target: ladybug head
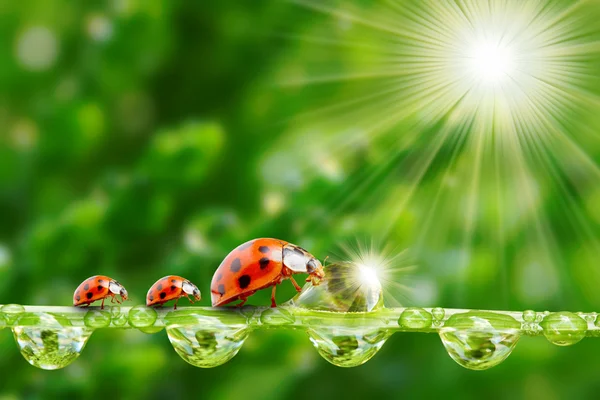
191	289
117	288
315	271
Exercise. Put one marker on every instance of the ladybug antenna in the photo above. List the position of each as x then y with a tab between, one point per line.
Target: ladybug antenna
325	260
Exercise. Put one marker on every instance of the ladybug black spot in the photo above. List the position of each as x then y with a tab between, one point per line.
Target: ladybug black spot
89	295
264	249
219	277
244	281
100	287
173	281
236	265
86	287
159	287
78	297
264	262
100	280
173	287
221	289
151	298
163	295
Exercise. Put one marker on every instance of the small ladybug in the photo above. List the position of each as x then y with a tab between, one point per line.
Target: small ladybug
258	264
171	287
96	288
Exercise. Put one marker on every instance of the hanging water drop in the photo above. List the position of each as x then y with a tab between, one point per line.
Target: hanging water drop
564	328
480	340
479	350
206	341
48	341
347	347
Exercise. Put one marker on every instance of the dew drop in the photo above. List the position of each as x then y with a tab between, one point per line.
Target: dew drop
347	287
480	340
564	328
96	319
142	316
11	312
206	341
477	349
415	318
346	347
438	313
151	329
48	341
528	315
277	316
117	317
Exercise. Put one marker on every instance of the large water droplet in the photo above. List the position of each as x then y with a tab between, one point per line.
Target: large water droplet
142	316
347	347
96	319
479	350
347	287
11	312
49	341
564	328
206	340
415	318
480	340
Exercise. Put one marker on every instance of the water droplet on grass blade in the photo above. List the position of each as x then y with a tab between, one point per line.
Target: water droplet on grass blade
48	341
415	318
476	349
480	340
564	328
11	312
96	319
347	347
142	316
206	341
347	287
118	318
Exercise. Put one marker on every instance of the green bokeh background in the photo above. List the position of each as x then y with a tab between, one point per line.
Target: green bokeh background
145	138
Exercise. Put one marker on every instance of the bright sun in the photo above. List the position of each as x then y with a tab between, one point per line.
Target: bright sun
490	61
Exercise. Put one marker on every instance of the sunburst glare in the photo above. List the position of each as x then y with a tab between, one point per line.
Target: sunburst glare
461	117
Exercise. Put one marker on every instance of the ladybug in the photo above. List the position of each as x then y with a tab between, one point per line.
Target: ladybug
171	287
96	288
259	264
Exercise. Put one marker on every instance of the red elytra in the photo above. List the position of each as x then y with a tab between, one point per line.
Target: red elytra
171	287
258	264
98	287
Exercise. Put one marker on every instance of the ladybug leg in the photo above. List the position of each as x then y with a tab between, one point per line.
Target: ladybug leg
243	300
273	304
298	288
175	306
102	305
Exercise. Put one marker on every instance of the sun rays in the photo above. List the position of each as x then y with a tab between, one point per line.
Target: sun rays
469	118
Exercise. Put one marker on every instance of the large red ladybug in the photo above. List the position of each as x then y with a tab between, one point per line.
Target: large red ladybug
98	287
258	264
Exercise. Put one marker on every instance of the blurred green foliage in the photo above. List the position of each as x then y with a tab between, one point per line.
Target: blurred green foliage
145	138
